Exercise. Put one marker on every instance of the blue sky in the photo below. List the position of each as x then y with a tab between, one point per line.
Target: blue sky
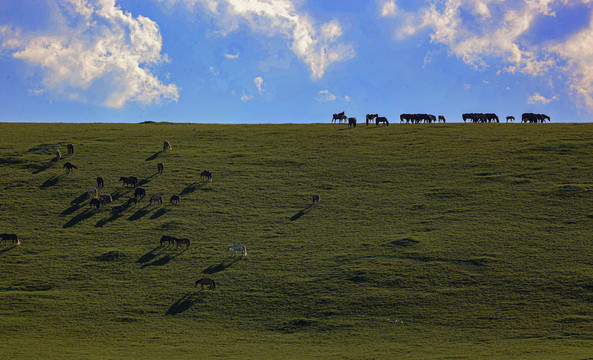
280	61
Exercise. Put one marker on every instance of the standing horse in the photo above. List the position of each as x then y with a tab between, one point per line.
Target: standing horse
106	198
351	122
69	167
442	119
12	237
129	181
316	198
206	174
100	182
381	120
132	201
93	192
237	247
58	155
167	239
70	148
174	199
510	118
95	202
370	117
182	242
160	167
139	193
206	281
156	198
339	117
167	145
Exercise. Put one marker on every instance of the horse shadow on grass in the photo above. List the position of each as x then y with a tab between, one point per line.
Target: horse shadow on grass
160	212
139	214
223	265
50	182
304	211
154	156
76	204
41	168
191	188
78	218
150	258
184	303
104	221
7	249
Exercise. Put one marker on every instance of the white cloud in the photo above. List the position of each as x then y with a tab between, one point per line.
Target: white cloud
539	98
478	31
259	81
326	96
347	98
97	53
232	56
316	46
245	98
213	71
389	8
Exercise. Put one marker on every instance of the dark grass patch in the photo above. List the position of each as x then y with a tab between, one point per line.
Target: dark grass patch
405	242
110	256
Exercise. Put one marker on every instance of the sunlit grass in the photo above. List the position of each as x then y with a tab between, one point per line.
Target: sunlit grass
458	240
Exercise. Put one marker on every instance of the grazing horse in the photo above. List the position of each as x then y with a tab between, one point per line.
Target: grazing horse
156	198
93	192
95	202
117	209
160	167
100	182
106	198
70	149
316	198
69	167
237	247
167	239
339	117
442	119
12	237
352	122
510	118
370	117
206	174
58	155
174	199
380	120
206	281
132	201
129	181
182	242
139	193
167	145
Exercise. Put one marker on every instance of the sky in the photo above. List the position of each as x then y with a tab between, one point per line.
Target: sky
281	61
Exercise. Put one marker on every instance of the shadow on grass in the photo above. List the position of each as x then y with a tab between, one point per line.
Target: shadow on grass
160	212
305	210
147	180
161	261
148	256
138	214
78	218
41	168
184	303
104	221
50	182
72	209
226	263
191	188
81	198
154	156
7	249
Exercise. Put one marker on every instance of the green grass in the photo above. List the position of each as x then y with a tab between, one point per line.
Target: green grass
430	241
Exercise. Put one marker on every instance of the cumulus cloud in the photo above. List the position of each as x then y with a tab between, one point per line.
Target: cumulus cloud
326	96
478	31
245	98
537	98
259	81
317	46
232	56
97	54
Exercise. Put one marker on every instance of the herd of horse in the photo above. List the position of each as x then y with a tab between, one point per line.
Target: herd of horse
429	118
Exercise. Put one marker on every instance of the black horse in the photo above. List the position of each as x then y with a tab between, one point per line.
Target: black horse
100	182
206	281
174	199
69	167
139	193
160	167
339	117
352	122
133	181
206	174
70	148
381	120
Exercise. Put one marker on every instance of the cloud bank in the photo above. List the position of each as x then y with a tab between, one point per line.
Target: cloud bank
316	46
96	53
478	31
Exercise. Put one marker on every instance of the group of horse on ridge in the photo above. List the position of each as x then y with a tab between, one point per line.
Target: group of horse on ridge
429	118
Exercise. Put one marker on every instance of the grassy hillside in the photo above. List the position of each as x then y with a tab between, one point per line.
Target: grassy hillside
430	241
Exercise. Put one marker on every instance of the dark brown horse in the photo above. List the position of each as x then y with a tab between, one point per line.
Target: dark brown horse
12	237
352	122
132	201
156	198
182	242
95	202
339	117
167	239
160	167
174	199
100	182
139	193
131	180
70	148
206	281
381	120
166	145
206	174
370	117
69	167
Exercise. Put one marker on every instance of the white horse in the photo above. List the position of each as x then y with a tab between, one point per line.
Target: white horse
237	247
93	193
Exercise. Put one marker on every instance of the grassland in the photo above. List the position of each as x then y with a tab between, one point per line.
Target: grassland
430	241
